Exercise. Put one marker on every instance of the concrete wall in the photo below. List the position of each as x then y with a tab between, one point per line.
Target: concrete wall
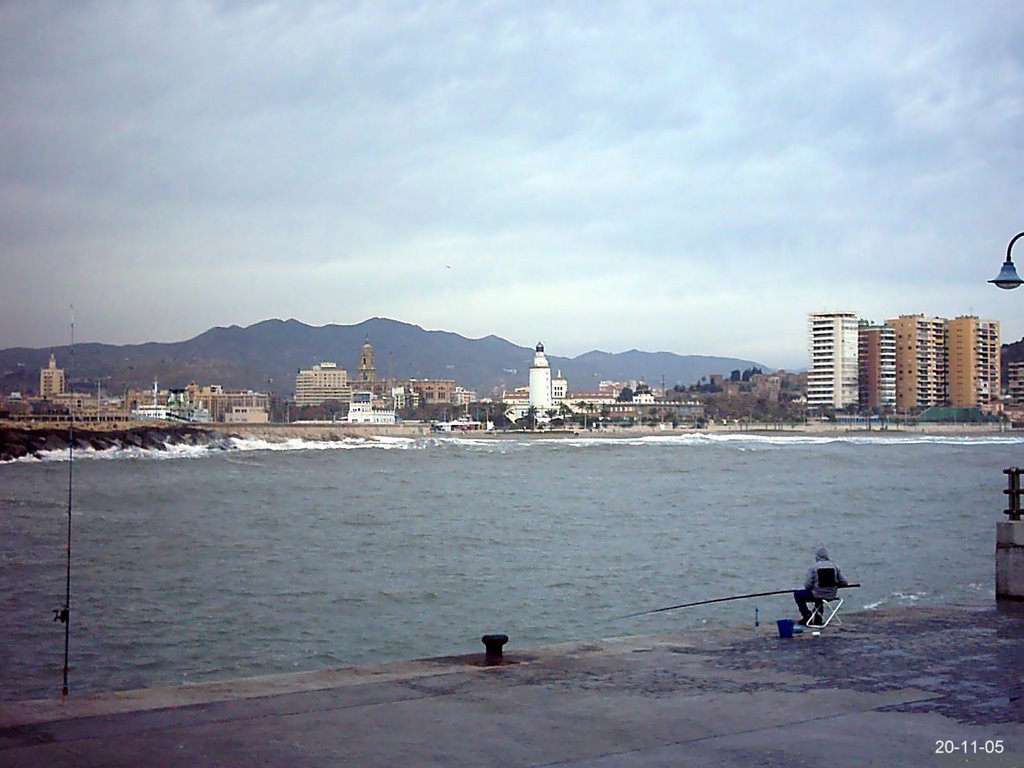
1010	560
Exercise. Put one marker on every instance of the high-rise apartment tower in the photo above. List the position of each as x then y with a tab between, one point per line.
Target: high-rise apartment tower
922	365
973	348
832	376
876	365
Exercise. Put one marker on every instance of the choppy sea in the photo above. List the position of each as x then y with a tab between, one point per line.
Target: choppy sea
195	564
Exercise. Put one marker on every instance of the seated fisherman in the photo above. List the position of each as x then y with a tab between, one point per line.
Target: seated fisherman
812	591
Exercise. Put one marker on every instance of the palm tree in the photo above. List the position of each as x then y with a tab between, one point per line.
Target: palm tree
581	407
565	412
531	414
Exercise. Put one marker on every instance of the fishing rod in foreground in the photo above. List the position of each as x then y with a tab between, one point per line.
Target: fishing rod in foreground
63	615
715	600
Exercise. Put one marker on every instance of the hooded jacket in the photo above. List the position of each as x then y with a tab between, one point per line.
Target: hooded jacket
821	560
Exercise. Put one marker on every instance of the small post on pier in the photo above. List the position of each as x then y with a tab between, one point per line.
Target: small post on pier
493	644
1010	541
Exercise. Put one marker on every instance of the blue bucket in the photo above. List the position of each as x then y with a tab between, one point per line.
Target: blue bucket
786	627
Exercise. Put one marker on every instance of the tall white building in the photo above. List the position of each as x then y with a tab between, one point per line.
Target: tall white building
540	381
832	374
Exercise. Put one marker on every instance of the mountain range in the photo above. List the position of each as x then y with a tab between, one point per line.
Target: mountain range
268	354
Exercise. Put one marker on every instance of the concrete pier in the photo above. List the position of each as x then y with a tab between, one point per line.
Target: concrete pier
894	688
1010	560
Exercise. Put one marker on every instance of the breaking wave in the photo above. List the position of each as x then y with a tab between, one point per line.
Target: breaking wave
170	451
502	443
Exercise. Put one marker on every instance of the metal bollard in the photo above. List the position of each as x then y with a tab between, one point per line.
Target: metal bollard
493	645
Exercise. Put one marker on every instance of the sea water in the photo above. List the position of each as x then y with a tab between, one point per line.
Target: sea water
195	564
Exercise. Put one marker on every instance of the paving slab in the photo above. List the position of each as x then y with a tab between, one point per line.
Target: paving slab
886	688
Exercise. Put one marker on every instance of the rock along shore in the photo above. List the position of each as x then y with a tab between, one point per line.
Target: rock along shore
18	440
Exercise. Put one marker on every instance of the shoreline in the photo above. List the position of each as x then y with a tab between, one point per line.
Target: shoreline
23	439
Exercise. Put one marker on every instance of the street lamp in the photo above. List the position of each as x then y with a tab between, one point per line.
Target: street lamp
1009	555
1007	277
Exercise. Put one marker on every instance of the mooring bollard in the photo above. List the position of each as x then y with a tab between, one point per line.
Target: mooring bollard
493	645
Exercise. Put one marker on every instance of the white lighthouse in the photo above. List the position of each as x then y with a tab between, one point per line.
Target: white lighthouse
540	381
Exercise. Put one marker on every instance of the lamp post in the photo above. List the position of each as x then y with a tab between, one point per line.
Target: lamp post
1007	277
1010	533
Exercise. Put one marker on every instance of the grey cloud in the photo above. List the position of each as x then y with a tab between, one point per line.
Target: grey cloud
797	146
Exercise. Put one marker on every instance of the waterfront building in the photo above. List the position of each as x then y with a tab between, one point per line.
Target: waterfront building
559	388
362	411
238	406
876	365
324	381
246	414
921	362
1015	382
432	391
397	396
463	396
51	380
413	392
517	403
833	347
973	360
169	405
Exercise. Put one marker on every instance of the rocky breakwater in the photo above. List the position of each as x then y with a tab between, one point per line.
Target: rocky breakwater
16	442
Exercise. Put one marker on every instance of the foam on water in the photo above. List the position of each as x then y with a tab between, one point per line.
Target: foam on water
233	444
739	440
898	598
299	444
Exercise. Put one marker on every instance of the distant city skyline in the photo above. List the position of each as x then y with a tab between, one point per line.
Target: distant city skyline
680	178
768	365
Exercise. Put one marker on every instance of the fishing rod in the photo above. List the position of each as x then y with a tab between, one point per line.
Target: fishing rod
716	600
64	614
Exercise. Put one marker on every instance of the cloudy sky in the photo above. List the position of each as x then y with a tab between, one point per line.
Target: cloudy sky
692	177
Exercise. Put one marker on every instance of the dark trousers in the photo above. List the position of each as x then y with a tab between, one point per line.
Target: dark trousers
803	597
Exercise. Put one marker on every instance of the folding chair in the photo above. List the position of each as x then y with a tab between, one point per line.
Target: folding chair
827	600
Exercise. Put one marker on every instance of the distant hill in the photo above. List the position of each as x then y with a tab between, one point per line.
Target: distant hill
267	355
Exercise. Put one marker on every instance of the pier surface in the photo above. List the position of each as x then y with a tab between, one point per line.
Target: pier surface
887	688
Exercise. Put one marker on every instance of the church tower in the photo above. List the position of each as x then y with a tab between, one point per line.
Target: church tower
367	372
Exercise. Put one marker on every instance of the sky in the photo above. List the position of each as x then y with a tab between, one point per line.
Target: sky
690	177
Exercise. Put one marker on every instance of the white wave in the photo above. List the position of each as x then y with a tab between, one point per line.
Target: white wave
794	438
299	444
896	597
173	451
170	451
738	440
